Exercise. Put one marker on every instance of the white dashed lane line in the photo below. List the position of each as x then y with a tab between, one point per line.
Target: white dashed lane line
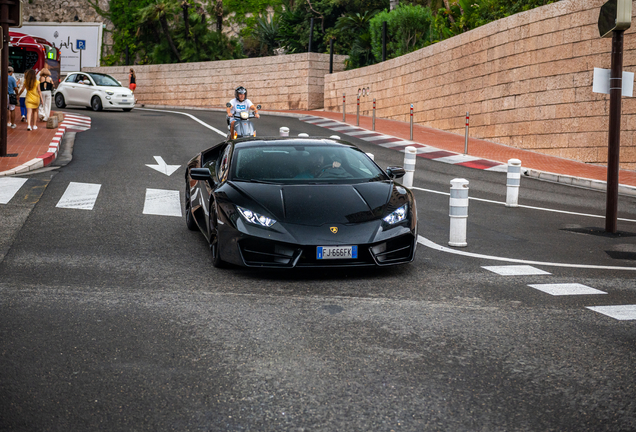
516	270
80	196
566	289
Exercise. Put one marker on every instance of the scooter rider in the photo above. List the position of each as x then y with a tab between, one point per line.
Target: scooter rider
238	104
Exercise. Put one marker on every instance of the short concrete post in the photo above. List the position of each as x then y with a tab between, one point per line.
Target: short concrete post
410	154
458	212
303	134
358	112
513	182
284	131
335	137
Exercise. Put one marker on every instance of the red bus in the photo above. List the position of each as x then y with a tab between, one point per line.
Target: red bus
32	52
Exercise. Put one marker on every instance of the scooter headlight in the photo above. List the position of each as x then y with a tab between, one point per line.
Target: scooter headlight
245	115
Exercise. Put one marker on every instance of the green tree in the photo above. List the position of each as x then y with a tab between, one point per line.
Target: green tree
408	29
161	11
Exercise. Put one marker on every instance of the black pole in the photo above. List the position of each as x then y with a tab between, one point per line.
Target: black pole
614	141
4	81
331	56
311	33
384	41
127	56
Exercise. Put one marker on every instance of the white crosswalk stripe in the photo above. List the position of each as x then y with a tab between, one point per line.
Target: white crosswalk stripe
81	196
619	312
516	270
565	289
9	186
162	202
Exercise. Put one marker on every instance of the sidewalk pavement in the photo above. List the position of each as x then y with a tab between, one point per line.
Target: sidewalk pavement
36	149
32	150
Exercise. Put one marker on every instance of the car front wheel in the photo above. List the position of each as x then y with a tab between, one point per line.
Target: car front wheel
96	103
190	223
59	100
214	241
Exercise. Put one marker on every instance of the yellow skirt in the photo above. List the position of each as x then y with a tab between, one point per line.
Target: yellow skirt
32	100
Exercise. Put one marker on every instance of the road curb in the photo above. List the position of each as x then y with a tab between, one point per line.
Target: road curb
71	123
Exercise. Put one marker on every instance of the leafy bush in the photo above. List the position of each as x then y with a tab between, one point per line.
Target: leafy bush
408	29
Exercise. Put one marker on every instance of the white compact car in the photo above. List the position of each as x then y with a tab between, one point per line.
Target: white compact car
94	90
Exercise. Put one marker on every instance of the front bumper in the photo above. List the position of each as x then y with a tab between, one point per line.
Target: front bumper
265	253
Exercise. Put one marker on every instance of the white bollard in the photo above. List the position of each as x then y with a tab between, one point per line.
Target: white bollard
458	212
371	156
303	134
334	137
284	131
410	153
513	181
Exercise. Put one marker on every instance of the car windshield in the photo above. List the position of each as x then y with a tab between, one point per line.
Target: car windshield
303	164
105	80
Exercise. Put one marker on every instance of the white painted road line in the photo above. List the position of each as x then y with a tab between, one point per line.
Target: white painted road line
223	134
566	289
515	270
522	206
429	244
621	313
162	202
9	186
163	167
80	196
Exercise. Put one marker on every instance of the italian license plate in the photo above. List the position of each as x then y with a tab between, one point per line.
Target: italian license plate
124	100
336	252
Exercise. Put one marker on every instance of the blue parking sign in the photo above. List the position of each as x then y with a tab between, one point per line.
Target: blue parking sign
81	44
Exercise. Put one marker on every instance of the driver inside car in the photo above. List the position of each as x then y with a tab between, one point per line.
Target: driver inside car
238	104
316	166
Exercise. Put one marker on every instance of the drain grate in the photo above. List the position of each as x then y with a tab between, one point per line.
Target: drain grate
599	232
620	255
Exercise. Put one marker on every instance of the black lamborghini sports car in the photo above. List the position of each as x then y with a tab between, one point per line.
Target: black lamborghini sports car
299	202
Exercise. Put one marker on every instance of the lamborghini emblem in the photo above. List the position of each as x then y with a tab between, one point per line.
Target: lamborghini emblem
334	230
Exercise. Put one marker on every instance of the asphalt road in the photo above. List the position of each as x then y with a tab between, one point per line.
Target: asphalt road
115	320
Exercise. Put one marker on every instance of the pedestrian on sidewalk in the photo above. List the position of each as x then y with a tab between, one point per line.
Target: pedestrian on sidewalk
22	97
12	97
33	98
46	90
133	80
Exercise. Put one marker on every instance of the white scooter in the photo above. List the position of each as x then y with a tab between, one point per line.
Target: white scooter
243	127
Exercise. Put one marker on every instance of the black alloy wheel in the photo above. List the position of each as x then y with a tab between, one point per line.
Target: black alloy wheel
96	103
191	224
214	240
59	100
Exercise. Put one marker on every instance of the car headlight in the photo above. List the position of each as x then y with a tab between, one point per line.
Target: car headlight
110	93
397	216
256	218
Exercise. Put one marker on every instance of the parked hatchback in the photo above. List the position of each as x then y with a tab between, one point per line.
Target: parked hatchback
94	90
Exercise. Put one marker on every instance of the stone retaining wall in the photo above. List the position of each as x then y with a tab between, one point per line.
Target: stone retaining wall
289	82
526	80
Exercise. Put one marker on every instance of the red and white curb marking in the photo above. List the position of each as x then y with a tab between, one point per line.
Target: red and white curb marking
423	151
71	123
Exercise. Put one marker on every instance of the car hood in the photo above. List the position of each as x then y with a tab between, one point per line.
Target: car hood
317	205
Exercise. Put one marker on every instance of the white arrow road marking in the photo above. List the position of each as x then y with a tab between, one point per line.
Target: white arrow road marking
9	186
163	167
80	196
162	202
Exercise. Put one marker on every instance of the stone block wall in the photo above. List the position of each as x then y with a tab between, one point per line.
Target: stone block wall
288	82
526	81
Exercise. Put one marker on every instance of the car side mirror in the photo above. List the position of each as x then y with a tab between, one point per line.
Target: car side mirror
258	107
200	174
229	105
395	172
